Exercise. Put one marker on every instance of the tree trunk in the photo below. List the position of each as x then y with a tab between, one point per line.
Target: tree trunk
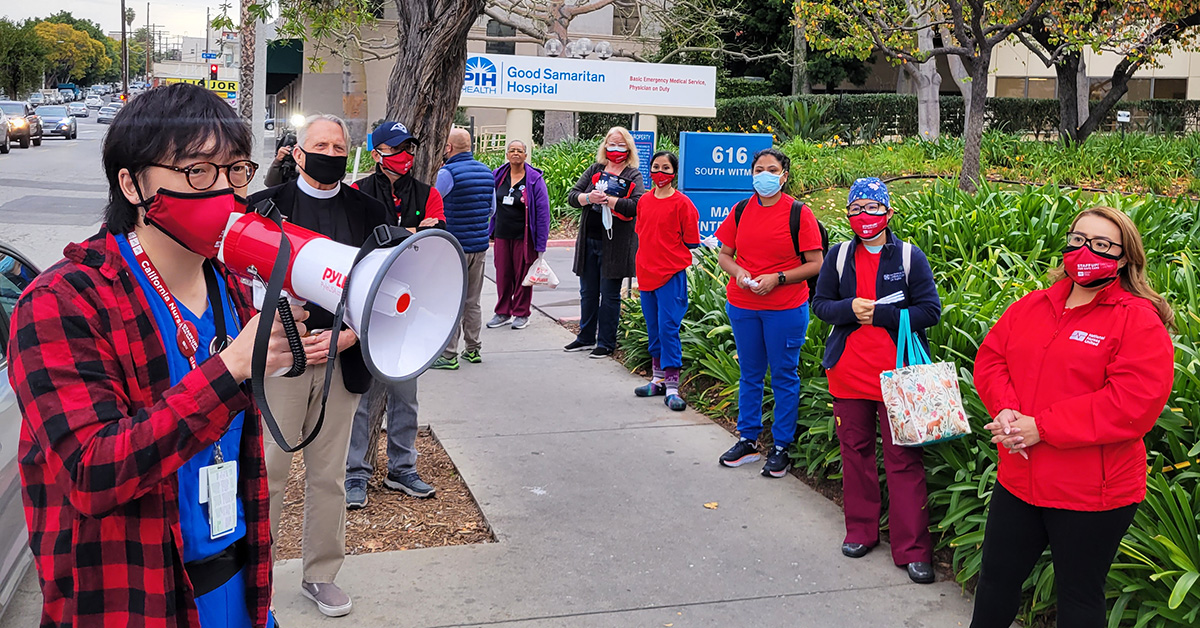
1067	69
962	78
1083	91
354	95
973	135
799	62
425	83
376	413
246	80
927	80
1120	85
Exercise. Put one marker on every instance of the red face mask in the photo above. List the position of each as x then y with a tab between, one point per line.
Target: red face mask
399	163
194	220
617	156
662	179
1089	268
867	226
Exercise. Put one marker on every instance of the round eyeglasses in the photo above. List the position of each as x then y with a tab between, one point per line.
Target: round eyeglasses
202	175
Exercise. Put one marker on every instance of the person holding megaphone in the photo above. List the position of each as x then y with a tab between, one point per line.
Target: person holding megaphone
318	201
141	456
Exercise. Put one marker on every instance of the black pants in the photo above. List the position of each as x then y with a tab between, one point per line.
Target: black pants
1083	545
599	299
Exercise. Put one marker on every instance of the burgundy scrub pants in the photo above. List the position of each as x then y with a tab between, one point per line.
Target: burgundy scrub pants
858	423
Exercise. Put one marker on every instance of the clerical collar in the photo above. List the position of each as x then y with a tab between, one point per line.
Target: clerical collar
314	192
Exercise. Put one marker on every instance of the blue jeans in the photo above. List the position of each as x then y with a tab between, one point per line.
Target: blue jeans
599	300
769	338
664	309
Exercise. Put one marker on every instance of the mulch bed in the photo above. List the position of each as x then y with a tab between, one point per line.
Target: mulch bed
392	520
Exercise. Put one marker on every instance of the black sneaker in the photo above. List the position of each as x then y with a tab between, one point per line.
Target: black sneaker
576	345
600	352
777	463
744	451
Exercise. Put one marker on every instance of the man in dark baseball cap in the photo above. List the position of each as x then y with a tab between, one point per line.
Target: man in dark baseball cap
418	205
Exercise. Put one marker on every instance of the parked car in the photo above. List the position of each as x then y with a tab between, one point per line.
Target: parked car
5	138
94	101
107	113
16	273
57	120
24	125
77	109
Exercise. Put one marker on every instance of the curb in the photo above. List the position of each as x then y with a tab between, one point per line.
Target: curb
560	243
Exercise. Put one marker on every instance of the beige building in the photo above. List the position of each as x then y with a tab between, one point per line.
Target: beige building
1016	72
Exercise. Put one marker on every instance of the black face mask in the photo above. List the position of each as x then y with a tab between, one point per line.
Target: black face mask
325	169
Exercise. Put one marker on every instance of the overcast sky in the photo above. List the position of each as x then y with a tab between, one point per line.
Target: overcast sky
178	17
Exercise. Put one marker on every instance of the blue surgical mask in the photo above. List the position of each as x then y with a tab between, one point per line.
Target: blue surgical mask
767	183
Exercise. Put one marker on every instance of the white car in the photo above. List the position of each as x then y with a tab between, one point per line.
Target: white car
107	113
16	273
94	102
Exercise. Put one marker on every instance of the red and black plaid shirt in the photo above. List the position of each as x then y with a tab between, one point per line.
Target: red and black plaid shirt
103	435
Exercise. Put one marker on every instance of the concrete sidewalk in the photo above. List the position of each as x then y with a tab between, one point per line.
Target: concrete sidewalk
597	500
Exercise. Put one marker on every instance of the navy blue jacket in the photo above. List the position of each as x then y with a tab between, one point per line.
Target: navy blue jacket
833	300
469	203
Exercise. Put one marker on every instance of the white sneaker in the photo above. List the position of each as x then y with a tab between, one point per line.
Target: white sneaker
330	599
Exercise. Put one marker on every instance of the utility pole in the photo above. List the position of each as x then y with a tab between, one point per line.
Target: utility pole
124	57
206	37
148	39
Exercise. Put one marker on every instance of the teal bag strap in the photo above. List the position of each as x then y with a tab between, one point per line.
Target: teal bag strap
908	340
902	338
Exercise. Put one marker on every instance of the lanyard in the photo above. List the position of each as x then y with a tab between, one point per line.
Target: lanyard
187	337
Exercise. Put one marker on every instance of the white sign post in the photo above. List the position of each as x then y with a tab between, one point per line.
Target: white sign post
526	82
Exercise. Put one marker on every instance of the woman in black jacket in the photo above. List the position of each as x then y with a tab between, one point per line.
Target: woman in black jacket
608	192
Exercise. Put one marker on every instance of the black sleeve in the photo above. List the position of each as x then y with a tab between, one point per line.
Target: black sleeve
584	184
628	206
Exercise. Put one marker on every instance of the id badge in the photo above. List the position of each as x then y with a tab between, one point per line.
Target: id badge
218	488
508	200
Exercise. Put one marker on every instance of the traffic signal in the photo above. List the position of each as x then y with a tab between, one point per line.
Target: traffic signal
124	96
212	71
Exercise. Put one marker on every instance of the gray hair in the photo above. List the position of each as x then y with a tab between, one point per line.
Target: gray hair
302	132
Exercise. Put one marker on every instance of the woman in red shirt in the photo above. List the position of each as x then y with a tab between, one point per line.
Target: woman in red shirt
768	306
872	267
1075	376
667	229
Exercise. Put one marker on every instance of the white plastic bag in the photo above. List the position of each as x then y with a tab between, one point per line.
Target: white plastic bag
540	274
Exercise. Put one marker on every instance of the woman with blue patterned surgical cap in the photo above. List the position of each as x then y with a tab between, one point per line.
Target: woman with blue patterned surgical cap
864	286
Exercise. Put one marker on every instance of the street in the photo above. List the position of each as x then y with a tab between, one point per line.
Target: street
54	193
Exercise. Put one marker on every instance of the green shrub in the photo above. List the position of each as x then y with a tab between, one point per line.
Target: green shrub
987	250
804	121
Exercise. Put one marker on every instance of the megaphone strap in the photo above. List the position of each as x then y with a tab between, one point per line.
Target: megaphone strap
258	362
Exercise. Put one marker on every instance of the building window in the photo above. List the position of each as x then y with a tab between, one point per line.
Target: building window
1041	88
1173	89
1021	87
627	21
496	29
1142	88
1008	87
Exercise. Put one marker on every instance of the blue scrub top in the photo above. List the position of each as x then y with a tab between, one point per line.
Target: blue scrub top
193	516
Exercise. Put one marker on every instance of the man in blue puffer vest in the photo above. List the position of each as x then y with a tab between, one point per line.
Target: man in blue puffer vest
468	190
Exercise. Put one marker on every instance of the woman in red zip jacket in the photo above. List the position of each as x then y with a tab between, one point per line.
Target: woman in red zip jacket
1075	376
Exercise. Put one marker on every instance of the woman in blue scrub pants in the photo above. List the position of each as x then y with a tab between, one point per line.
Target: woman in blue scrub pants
225	606
768	307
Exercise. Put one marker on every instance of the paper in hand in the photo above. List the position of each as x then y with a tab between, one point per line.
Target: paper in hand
894	297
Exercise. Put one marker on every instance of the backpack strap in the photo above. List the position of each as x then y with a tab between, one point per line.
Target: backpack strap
906	259
738	209
843	251
794	226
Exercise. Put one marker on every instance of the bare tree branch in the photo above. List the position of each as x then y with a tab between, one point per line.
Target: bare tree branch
520	28
728	53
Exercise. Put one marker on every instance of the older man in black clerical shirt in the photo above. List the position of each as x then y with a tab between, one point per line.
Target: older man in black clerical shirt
318	201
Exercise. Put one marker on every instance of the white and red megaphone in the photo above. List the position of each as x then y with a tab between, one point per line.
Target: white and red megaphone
404	300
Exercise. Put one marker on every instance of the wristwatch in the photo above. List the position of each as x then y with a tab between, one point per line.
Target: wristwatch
782	278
